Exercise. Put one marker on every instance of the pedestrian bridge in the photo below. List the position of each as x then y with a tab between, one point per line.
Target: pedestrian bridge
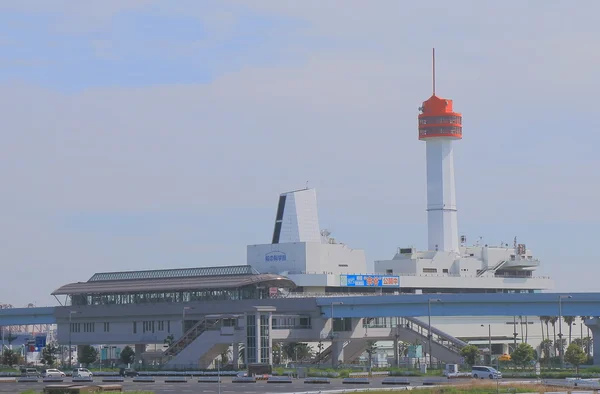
27	316
484	304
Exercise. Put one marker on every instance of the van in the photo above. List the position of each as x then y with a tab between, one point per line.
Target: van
30	372
482	372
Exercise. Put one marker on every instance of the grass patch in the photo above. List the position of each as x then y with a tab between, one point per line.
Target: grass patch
479	388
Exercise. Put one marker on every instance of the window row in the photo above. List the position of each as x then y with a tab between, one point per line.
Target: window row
441	120
152	326
163	297
423	132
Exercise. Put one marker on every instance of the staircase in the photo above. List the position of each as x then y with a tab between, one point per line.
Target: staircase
445	347
188	337
494	268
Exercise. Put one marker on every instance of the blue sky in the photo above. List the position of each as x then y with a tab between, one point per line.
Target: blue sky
149	134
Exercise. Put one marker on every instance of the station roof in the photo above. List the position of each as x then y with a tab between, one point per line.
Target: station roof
202	278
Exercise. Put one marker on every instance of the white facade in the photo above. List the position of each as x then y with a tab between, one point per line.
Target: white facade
305	257
442	221
297	219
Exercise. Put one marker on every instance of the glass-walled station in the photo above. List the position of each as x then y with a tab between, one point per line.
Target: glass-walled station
229	283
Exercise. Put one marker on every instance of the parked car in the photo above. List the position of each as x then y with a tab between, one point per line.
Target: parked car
128	372
52	373
30	372
82	373
482	372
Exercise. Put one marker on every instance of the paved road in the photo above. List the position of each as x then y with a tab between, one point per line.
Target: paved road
192	386
260	387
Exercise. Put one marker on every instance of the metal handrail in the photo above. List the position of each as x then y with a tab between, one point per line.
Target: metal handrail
189	336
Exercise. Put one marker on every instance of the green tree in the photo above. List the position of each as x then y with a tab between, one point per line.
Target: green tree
371	349
224	356
169	340
575	355
50	354
9	357
127	355
523	355
546	348
297	351
569	320
470	354
87	355
320	347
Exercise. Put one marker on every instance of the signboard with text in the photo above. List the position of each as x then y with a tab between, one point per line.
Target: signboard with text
369	281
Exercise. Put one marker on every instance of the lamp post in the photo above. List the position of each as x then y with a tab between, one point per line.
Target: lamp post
71	313
560	347
489	341
185	308
429	301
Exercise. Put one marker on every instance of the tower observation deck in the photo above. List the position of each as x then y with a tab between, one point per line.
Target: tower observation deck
439	125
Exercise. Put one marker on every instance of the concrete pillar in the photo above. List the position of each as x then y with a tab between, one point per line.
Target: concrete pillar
269	329
396	353
236	355
594	326
258	344
337	352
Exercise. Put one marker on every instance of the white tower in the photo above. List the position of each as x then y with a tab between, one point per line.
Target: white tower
297	218
438	127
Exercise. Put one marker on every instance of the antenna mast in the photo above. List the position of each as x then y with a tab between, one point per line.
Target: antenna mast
433	71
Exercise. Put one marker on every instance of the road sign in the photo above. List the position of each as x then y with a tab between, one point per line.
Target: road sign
40	341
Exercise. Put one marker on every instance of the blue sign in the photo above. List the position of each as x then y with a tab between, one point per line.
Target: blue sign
275	256
369	281
40	341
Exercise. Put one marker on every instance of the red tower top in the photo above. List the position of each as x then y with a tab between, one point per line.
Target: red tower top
437	120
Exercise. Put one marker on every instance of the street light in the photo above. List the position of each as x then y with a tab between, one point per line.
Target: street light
561	350
71	313
429	301
185	308
489	341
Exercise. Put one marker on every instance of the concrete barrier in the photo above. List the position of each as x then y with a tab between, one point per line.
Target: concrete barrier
396	381
8	380
176	379
358	375
209	379
317	381
244	379
143	379
380	373
113	379
279	379
356	381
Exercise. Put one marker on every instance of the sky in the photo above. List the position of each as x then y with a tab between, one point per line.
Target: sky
156	134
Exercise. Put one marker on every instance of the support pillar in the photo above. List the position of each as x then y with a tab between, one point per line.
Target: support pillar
594	325
258	338
337	352
269	337
396	362
139	350
236	355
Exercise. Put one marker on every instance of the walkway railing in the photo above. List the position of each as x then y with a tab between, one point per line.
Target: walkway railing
188	337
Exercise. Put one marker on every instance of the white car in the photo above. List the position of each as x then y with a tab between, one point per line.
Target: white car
53	373
82	373
482	372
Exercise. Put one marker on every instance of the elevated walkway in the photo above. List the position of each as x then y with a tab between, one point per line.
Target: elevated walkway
27	316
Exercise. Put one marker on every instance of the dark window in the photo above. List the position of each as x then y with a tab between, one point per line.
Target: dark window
280	208
134	327
277	232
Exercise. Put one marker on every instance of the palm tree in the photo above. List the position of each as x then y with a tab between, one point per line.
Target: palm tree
569	320
542	325
546	320
553	320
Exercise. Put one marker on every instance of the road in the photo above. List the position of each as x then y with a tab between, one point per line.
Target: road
227	387
192	386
